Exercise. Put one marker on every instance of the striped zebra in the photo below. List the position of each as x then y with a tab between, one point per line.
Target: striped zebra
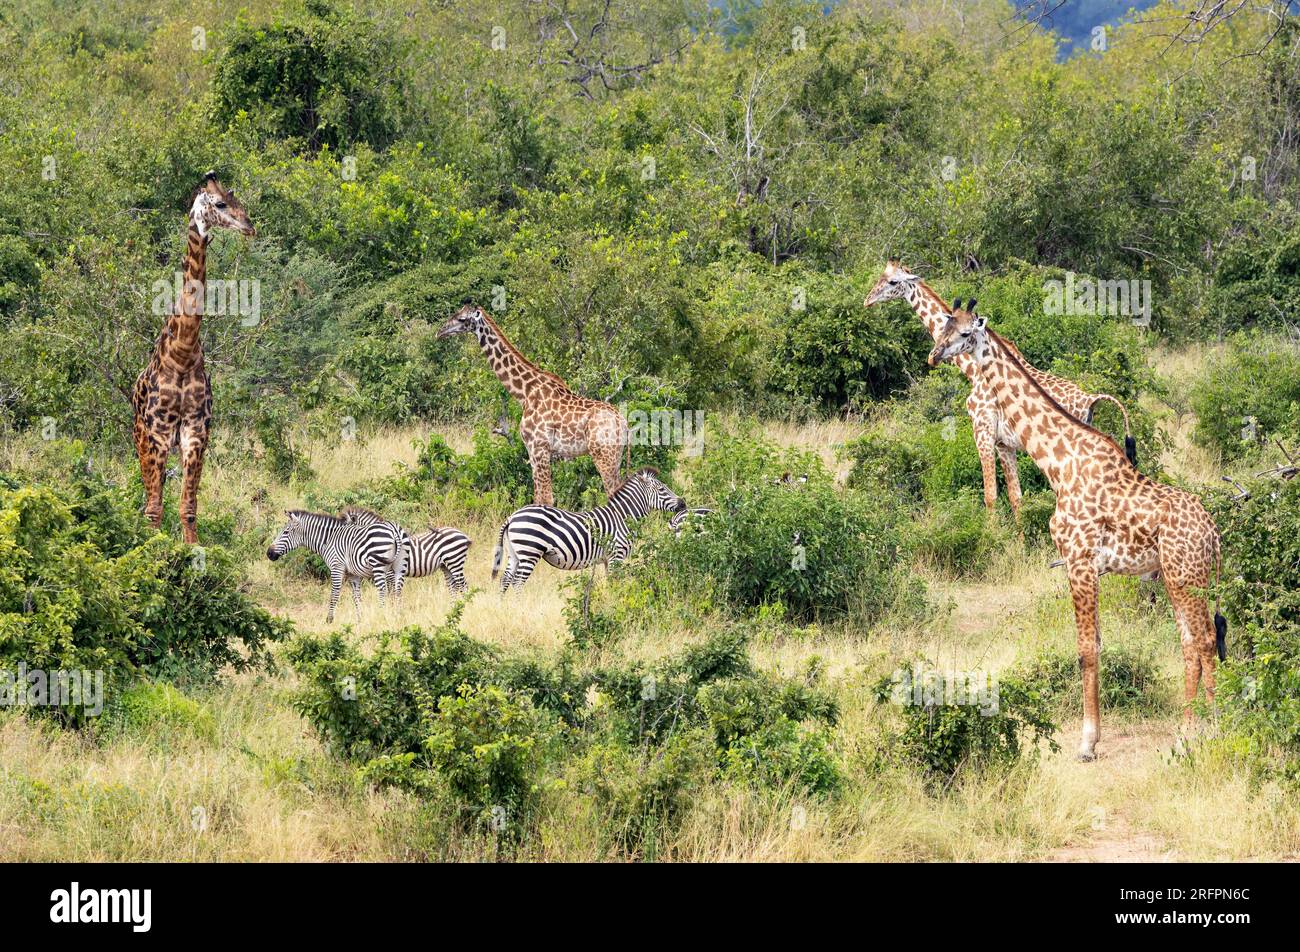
440	549
678	521
575	540
356	544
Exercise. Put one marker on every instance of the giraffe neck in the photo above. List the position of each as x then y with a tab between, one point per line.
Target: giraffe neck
1057	441
516	372
933	312
180	344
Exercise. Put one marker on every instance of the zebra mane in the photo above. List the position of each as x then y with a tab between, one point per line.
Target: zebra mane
353	512
643	471
321	516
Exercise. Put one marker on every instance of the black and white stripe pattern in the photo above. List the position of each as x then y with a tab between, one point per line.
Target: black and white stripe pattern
678	521
356	544
440	549
575	540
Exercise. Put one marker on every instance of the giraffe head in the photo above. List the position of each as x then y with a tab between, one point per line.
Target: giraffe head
215	206
963	332
894	282
470	319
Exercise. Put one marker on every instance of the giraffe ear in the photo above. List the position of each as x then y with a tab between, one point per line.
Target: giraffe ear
978	323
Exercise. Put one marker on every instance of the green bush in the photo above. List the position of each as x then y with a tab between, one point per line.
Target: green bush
1257	281
953	722
1248	396
159	707
820	552
1130	681
86	585
956	537
1259	687
324	76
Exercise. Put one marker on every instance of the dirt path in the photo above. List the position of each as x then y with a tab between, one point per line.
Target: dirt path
1124	754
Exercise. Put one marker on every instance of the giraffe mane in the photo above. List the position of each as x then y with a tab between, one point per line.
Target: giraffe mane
509	345
1016	358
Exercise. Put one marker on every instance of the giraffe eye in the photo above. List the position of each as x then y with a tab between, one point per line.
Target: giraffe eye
221	204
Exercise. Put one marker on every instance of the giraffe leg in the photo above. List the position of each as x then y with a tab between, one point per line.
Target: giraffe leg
1011	473
988	463
1083	592
194	441
539	456
153	469
606	457
1195	624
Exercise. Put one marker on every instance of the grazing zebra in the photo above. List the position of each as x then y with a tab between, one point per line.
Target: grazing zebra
356	544
440	549
678	521
575	540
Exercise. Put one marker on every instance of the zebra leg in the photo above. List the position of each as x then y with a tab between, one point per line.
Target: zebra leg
336	586
356	595
521	571
380	578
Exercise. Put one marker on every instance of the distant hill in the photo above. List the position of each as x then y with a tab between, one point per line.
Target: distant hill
1075	20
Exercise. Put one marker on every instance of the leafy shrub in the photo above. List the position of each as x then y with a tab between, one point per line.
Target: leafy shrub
1130	681
86	585
942	739
1258	693
1248	396
325	76
1257	281
818	551
159	707
956	537
490	747
642	792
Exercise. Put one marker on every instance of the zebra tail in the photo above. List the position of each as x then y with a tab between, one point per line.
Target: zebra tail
496	555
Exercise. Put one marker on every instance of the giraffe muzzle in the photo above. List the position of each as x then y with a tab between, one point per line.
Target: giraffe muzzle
936	356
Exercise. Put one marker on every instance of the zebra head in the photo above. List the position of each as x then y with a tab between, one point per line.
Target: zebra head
468	320
292	536
649	492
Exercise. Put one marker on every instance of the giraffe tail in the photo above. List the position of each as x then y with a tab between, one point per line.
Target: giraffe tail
1130	444
1220	623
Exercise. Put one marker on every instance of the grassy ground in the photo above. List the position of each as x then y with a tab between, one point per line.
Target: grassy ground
241	776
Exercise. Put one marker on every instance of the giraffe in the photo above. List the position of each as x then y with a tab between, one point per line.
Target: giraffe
556	423
1109	517
172	398
994	440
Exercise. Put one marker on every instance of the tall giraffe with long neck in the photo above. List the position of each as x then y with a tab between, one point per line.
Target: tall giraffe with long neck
172	399
1109	517
556	423
993	439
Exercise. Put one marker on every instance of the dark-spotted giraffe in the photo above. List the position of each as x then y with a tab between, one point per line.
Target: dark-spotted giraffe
172	399
1109	517
556	423
993	438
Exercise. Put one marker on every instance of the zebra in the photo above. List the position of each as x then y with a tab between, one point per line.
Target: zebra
356	544
575	540
440	549
677	522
